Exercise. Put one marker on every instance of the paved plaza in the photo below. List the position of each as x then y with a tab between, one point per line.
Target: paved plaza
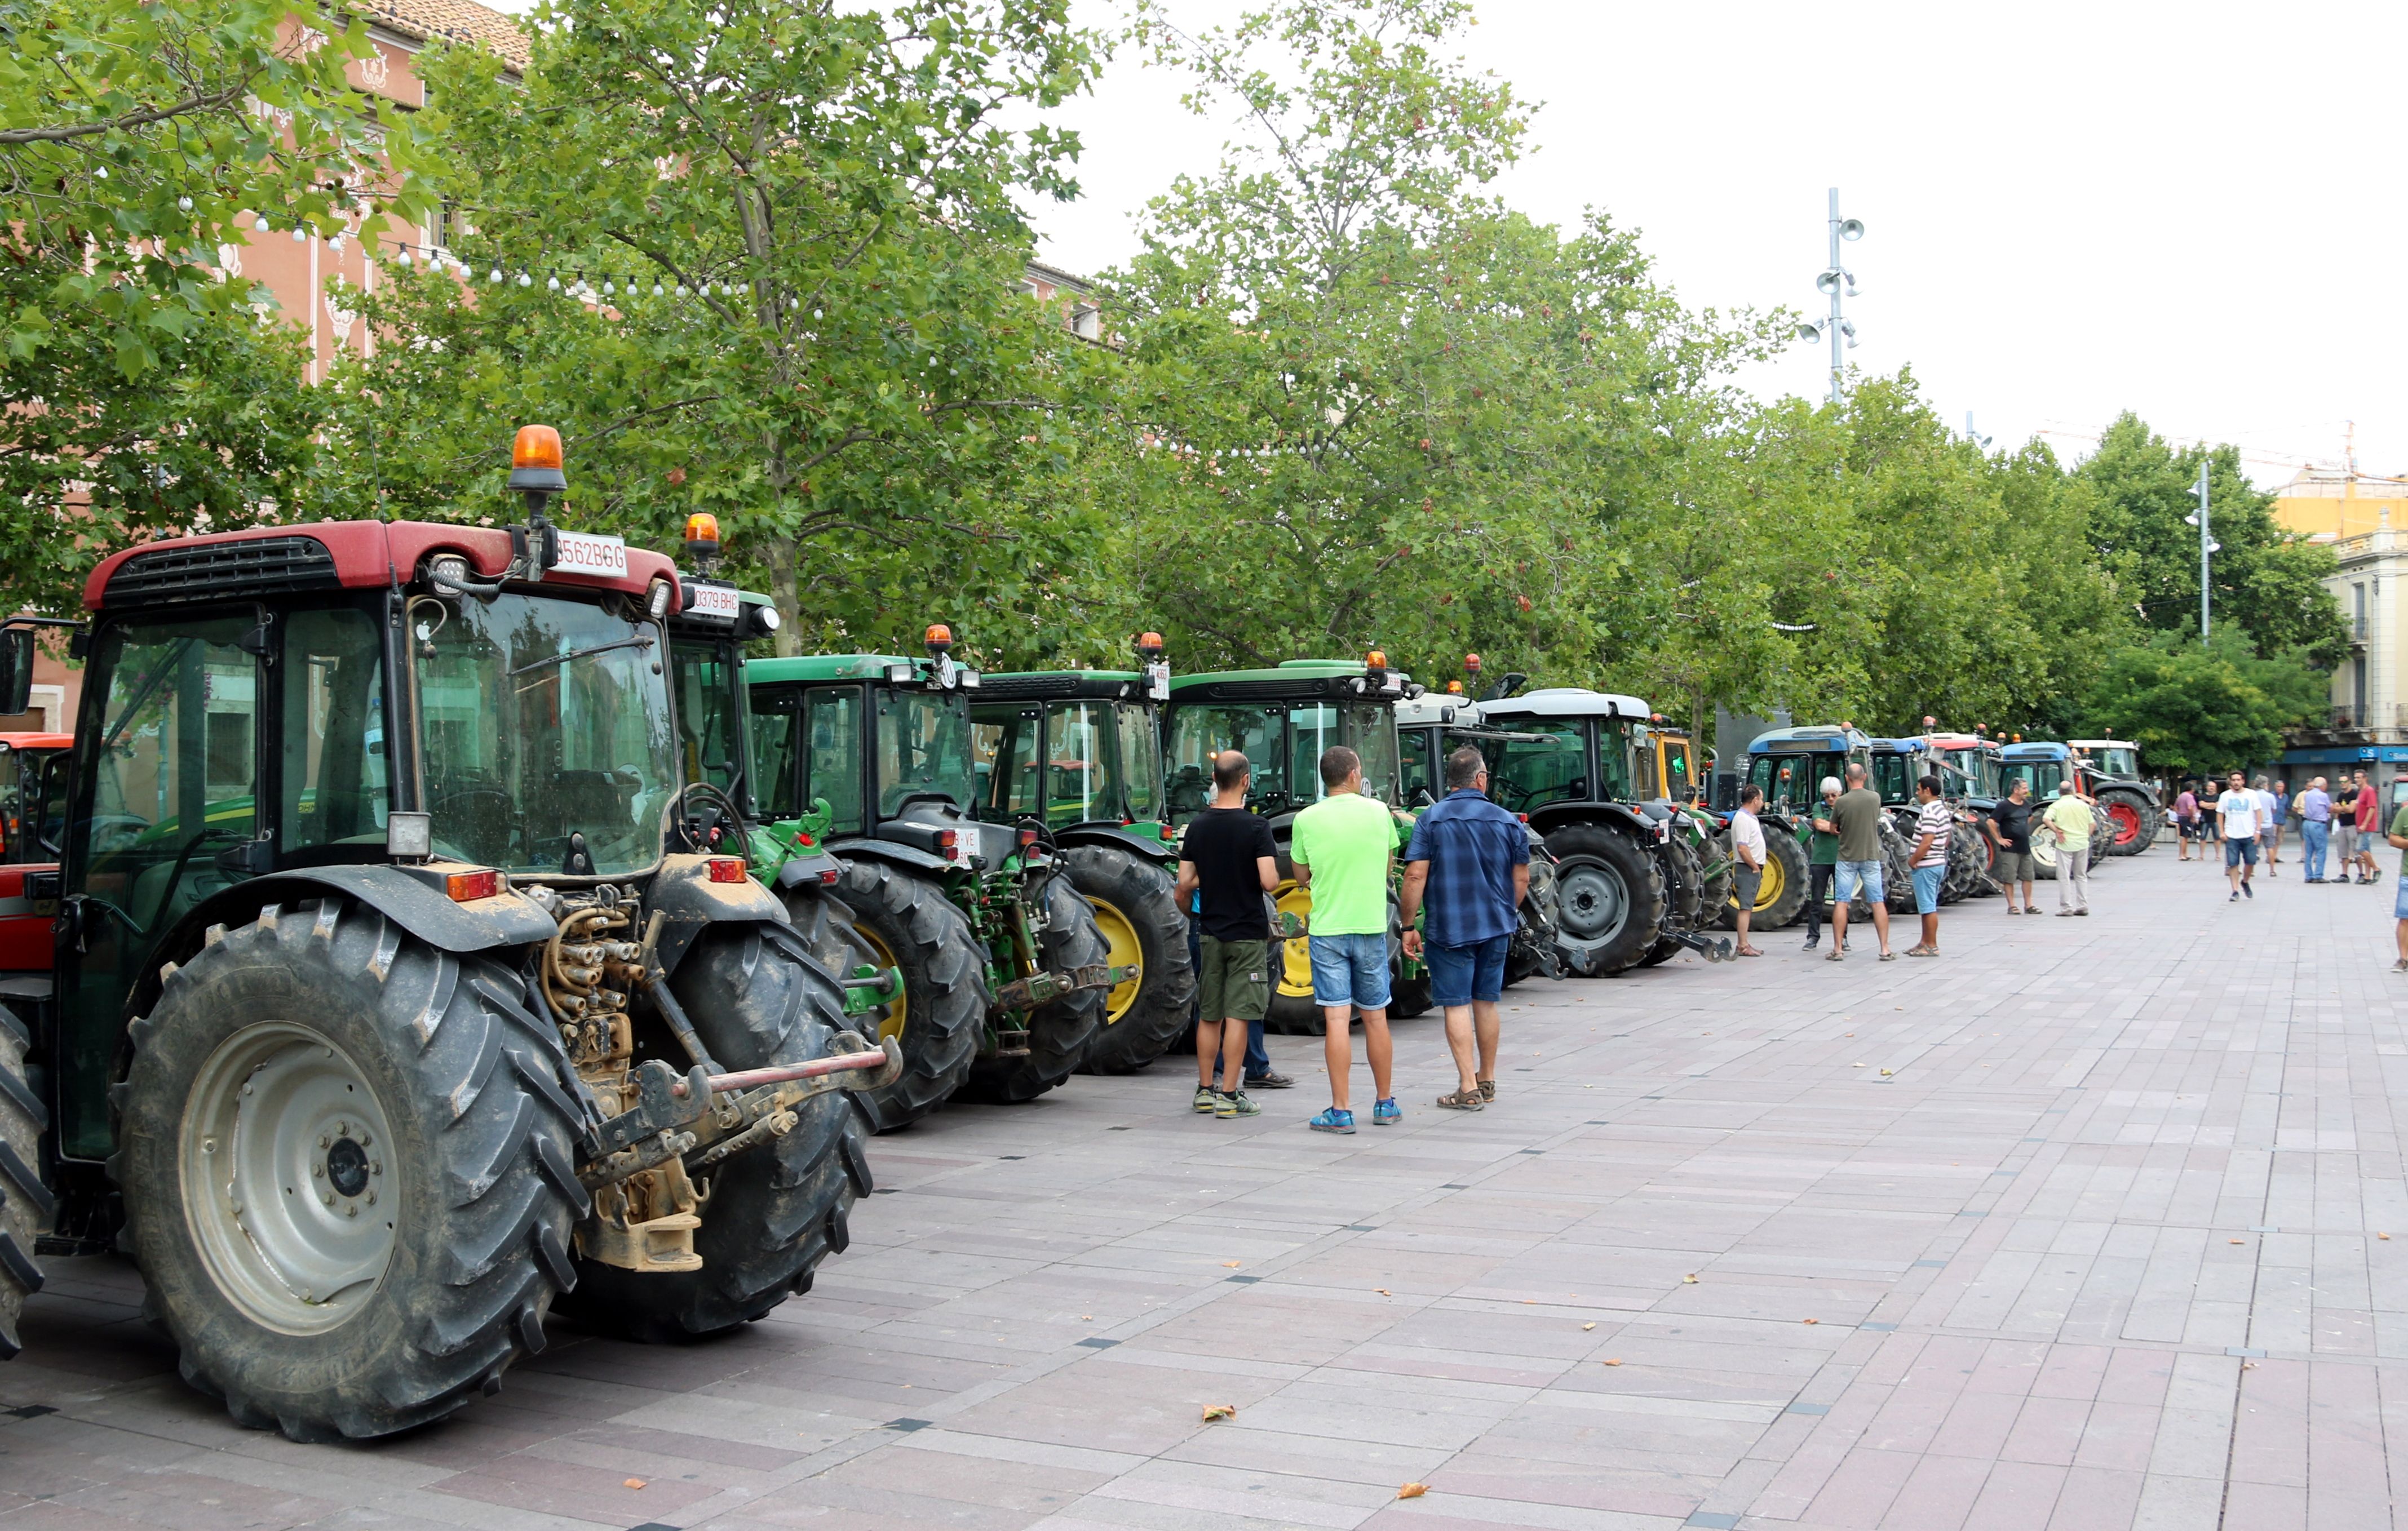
2082	1226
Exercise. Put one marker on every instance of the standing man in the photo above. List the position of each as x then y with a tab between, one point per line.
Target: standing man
1227	861
1343	847
2344	828
2237	814
2281	801
1822	838
2370	811
1933	826
2186	821
1748	862
2315	827
2399	837
1857	817
1472	859
2011	828
2071	819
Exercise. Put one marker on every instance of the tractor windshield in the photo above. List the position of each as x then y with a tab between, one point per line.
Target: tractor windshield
924	747
710	713
1199	732
2117	760
2042	776
1551	767
1140	758
541	719
1793	780
1895	775
1372	734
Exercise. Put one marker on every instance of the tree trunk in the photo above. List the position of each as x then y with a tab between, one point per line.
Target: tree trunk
782	591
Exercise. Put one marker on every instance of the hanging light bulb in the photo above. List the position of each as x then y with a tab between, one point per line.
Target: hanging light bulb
495	275
526	281
551	282
297	234
260	225
656	289
680	289
403	259
608	289
184	203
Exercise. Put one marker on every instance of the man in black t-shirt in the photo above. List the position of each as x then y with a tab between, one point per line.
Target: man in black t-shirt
2011	830
1227	859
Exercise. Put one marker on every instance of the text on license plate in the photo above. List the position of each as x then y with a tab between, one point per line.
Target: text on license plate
714	601
583	552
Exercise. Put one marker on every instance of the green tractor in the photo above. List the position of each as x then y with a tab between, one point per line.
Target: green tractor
1430	727
398	997
1788	765
1005	971
1079	754
1283	718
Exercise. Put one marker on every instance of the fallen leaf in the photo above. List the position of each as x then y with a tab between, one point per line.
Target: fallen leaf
1885	1073
2248	1366
1412	1491
634	1482
1219	1411
1587	1327
1856	1065
1810	1321
1084	1318
1231	1264
1614	1360
1382	1291
2382	1236
1691	1278
2240	1241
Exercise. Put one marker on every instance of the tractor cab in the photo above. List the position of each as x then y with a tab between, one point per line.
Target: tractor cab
33	778
2135	808
1664	762
1788	765
2040	766
1897	765
2116	759
707	638
1966	764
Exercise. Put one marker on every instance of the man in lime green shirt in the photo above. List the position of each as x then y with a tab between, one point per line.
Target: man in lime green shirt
1342	847
2069	819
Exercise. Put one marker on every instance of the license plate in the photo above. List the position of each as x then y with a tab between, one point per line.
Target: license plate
715	601
583	552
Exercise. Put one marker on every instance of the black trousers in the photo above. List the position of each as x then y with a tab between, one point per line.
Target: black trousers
1818	888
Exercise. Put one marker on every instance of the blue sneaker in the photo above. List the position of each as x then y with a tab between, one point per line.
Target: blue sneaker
1387	1114
1333	1120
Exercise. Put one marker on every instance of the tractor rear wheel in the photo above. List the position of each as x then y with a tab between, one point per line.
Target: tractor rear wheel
1059	1031
346	1161
2135	818
908	924
770	1214
25	1203
1609	898
1140	923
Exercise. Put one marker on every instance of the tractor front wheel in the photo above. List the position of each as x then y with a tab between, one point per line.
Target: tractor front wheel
2134	817
908	924
1140	923
25	1203
1609	898
345	1157
1059	1031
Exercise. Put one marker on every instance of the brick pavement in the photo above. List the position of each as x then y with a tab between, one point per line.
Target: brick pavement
2102	1250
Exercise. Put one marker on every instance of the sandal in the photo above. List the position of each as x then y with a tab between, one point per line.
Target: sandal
1462	1100
1923	951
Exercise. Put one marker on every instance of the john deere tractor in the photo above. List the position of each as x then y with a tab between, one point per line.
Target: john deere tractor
1080	753
1283	718
1005	971
398	995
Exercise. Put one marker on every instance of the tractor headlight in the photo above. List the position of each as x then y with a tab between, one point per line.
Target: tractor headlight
658	604
449	572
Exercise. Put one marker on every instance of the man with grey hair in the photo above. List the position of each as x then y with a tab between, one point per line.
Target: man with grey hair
1822	838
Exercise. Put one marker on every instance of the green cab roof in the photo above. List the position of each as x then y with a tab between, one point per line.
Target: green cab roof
821	667
1293	669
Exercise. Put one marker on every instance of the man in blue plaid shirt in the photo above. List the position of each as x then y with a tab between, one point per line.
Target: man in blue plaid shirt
1472	860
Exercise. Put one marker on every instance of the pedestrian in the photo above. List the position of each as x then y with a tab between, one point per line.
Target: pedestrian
1472	860
2345	829
2237	814
2279	800
2210	805
2369	808
1822	838
2071	818
1857	816
1343	847
1748	862
2314	807
2398	838
1226	862
2009	829
1934	824
2186	822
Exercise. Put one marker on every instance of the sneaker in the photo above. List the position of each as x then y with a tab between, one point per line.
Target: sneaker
1273	1081
1236	1103
1811	943
2065	914
2249	890
2082	914
1387	1114
2235	898
1205	1097
1488	1089
2401	966
1333	1120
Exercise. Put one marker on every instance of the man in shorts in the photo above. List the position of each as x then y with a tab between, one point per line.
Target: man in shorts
1747	863
1934	826
2369	824
1343	847
2009	829
2186	821
2345	829
1858	816
1472	860
2237	815
2398	838
1227	860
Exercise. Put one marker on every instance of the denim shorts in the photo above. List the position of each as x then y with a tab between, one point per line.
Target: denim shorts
1461	974
1865	875
1927	889
2399	904
1350	970
2237	851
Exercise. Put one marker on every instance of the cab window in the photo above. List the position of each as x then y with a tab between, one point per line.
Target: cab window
334	776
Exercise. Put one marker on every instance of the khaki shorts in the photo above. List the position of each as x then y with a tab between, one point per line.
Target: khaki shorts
1235	983
2014	867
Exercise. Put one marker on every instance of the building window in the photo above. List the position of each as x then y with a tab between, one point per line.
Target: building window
2357	610
1088	322
2358	690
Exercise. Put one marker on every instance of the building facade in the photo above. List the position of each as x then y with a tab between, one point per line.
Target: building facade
2367	726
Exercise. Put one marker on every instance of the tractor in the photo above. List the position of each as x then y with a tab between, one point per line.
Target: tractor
2110	774
2044	767
1005	971
1897	766
1283	718
1429	728
396	997
1968	768
1789	764
1080	751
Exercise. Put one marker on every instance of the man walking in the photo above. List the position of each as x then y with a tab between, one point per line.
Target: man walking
1472	860
2011	828
1933	826
1747	863
2186	822
2314	807
2071	819
1342	847
2237	814
1822	838
1227	861
1857	817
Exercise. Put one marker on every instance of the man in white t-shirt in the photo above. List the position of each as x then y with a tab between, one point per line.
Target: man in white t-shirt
2241	815
1747	863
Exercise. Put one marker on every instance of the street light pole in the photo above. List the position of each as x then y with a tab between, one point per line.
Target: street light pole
1834	325
1835	280
2207	545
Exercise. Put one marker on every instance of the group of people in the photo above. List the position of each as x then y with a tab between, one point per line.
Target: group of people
1467	870
2343	823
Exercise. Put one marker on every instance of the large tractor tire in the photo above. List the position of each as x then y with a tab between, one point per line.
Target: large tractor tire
1291	1011
1686	908
1898	869
1781	896
2134	818
2043	853
909	923
1140	923
346	1162
1966	865
25	1203
1060	1031
1609	898
770	1214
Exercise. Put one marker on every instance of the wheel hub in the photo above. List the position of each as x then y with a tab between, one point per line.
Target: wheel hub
1590	901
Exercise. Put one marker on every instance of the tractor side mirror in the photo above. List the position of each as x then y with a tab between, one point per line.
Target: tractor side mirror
1422	797
16	669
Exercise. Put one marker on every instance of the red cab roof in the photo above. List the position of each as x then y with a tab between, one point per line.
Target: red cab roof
372	554
37	741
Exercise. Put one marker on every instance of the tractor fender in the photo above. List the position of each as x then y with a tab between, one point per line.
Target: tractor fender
1144	847
895	853
682	891
1547	820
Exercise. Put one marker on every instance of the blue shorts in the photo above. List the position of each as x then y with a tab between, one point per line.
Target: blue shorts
1460	975
1350	970
2399	904
1927	889
2237	851
1865	875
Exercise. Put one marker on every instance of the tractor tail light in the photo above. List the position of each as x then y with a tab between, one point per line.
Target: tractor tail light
467	887
1028	839
827	879
726	869
947	840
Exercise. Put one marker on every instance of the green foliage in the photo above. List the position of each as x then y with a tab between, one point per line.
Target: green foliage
2198	708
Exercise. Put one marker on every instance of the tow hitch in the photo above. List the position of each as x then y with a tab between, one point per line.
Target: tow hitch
723	1114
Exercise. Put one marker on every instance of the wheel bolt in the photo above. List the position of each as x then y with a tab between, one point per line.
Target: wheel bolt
326	1140
352	1212
317	1172
372	1195
328	1197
